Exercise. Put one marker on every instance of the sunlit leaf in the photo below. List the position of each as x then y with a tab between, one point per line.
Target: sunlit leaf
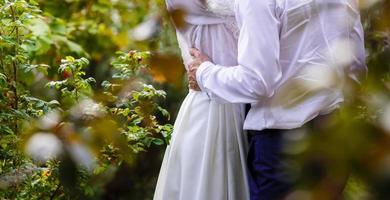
167	68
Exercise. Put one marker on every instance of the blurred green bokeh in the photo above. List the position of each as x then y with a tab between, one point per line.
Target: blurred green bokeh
59	57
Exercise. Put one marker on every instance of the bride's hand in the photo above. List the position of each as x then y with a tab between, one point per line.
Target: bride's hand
198	59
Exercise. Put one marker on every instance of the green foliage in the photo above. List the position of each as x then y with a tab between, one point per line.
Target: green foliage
74	87
60	76
100	108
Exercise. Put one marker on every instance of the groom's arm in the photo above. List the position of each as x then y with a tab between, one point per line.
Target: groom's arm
258	70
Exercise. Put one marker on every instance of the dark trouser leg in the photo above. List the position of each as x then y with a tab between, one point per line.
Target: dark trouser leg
268	180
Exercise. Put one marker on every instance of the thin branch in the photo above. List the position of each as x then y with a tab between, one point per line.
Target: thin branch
15	69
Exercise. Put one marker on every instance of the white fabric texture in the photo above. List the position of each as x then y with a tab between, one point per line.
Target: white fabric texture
291	60
221	7
206	159
207	155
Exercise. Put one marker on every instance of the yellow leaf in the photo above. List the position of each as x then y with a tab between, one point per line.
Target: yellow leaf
167	68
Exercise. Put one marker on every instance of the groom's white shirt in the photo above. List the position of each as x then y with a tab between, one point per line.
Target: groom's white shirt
291	60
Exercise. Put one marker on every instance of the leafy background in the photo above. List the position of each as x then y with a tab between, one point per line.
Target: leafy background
89	88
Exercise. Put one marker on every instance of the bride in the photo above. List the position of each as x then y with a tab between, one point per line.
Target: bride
206	159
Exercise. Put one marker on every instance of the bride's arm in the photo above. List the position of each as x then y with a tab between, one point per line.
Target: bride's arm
258	56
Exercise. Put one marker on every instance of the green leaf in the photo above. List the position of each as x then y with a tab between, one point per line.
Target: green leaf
158	141
70	58
54	103
3	79
59	26
38	27
74	47
33	2
164	112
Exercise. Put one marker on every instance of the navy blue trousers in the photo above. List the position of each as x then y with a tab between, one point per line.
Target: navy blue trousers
268	179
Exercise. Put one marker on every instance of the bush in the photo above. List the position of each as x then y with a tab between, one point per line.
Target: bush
79	120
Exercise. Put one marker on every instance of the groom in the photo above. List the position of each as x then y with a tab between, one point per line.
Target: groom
281	40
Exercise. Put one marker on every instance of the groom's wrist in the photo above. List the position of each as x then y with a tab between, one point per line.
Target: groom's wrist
201	72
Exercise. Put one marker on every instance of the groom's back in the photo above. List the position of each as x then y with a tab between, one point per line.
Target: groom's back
320	41
313	32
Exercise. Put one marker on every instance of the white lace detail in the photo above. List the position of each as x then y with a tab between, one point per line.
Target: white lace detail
221	7
225	8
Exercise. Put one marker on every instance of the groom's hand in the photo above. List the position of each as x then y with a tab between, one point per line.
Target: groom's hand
198	59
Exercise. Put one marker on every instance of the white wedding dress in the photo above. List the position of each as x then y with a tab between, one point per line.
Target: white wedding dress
206	159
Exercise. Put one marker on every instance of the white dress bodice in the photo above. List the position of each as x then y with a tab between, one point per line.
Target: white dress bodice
221	7
210	27
224	8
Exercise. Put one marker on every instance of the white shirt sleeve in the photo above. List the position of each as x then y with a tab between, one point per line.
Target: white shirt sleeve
258	70
358	68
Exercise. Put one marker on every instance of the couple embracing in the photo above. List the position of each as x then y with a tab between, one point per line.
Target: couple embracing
242	58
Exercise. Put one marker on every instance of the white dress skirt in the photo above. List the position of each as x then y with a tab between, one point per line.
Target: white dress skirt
206	158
